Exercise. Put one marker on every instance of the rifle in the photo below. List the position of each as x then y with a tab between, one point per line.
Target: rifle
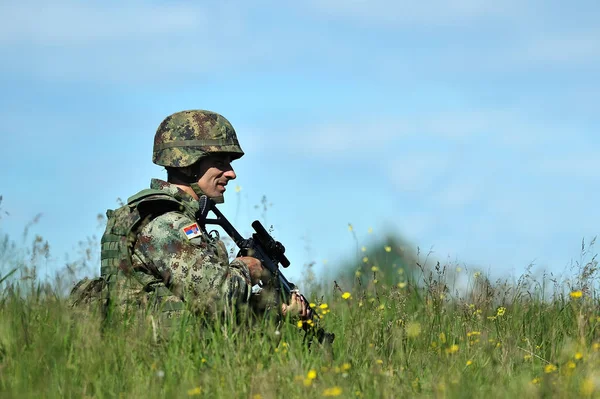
271	253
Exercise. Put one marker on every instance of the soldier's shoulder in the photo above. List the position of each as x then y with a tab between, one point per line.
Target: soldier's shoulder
169	224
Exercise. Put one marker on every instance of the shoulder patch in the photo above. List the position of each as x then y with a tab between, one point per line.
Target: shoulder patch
192	231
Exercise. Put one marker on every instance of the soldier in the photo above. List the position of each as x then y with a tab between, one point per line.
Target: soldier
153	251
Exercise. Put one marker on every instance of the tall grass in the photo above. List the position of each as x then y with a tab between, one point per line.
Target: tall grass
397	334
405	326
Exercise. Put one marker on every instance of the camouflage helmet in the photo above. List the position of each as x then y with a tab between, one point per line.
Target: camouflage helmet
185	137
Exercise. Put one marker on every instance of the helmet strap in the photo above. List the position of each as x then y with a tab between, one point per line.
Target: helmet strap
194	186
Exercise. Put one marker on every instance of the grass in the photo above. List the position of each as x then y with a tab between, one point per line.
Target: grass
403	329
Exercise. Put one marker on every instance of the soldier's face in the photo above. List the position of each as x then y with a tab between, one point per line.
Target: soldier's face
215	172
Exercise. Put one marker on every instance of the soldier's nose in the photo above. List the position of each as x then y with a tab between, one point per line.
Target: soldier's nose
230	174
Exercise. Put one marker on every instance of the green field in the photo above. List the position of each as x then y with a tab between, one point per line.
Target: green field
402	330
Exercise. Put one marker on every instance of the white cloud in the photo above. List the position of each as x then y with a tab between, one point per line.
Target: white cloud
126	42
347	139
378	136
142	41
68	22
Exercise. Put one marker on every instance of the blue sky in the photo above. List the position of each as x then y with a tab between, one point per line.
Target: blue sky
468	126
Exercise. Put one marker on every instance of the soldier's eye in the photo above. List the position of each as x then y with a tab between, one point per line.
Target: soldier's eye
221	163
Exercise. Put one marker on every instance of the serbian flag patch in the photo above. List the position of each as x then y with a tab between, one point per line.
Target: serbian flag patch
192	231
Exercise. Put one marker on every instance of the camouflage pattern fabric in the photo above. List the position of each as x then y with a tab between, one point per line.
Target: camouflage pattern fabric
185	137
195	270
166	269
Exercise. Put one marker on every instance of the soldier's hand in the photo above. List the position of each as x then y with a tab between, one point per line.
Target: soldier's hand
298	306
257	271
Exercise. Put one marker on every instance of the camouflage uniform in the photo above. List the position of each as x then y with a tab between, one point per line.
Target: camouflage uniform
194	270
148	261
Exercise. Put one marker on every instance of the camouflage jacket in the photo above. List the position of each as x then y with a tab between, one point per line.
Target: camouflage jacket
167	266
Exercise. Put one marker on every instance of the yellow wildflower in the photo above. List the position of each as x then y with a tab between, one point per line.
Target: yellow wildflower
527	357
587	387
501	311
357	273
442	337
473	333
381	307
374	269
365	259
346	295
312	374
323	306
469	362
596	346
194	392
387	248
307	382
363	248
576	294
299	324
571	364
550	368
346	366
309	322
238	188
452	349
334	391
375	281
415	383
477	274
402	284
401	271
379	361
536	380
413	329
578	356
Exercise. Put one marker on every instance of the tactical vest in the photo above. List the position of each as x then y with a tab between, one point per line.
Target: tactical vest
118	241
